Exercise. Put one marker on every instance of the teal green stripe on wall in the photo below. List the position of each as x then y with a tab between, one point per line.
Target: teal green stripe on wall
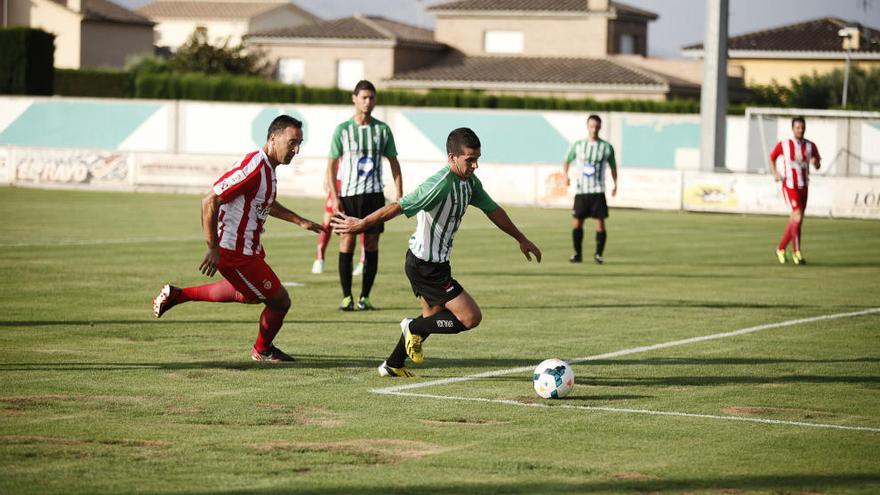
654	144
505	138
64	124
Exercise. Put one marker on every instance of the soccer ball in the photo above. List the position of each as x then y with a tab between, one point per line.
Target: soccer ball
553	379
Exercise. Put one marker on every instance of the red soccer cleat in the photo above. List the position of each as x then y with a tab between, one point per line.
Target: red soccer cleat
273	355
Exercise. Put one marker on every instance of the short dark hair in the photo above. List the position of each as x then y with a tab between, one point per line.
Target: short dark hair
460	138
595	117
363	84
282	122
800	119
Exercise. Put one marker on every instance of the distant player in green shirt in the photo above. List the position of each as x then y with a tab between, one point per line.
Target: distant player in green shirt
439	203
354	174
590	157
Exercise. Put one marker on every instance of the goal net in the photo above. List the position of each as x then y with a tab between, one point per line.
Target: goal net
848	141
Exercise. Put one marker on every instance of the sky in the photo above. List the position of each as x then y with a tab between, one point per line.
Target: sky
681	22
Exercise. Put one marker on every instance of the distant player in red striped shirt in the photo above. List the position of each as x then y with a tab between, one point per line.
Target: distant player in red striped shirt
797	156
233	214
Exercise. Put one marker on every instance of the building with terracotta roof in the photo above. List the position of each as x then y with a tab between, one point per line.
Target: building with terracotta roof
88	33
562	48
340	52
788	52
221	20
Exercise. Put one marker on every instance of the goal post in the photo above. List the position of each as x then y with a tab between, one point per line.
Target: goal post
848	141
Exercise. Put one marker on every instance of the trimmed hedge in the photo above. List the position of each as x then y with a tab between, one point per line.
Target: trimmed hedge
27	60
94	82
195	86
253	89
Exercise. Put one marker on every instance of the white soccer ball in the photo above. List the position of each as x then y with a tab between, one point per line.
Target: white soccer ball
553	379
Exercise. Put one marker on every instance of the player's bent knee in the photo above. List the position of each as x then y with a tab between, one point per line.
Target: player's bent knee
472	320
280	302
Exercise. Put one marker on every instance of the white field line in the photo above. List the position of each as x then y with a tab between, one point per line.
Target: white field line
398	390
640	411
157	239
127	240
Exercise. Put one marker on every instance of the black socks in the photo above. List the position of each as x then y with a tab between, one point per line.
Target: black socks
371	267
345	261
577	237
442	322
600	242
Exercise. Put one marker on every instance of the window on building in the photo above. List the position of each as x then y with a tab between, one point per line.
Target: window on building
627	44
503	42
348	73
291	70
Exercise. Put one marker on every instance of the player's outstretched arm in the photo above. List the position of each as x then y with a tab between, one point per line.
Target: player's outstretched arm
210	206
279	211
344	224
499	217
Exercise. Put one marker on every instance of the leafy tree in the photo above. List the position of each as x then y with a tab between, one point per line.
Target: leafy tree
198	55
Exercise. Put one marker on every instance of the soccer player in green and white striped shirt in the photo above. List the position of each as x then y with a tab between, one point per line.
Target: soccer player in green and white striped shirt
591	156
354	174
439	204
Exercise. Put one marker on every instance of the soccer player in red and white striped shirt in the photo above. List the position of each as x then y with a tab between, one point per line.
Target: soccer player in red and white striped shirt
797	155
233	214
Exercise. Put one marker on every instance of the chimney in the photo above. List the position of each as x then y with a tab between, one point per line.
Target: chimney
852	42
598	5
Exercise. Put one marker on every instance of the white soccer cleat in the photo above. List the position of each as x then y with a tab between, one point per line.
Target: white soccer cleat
318	267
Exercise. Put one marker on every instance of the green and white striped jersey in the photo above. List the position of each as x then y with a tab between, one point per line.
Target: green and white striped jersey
589	159
360	149
440	203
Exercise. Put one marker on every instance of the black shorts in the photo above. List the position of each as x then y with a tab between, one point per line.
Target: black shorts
432	281
361	205
590	205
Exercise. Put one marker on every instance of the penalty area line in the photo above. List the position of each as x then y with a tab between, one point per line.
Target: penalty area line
399	390
637	411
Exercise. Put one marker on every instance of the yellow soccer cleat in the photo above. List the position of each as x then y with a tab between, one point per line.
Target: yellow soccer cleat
388	371
780	255
798	258
412	342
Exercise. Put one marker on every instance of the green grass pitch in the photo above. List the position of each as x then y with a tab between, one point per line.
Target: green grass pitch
96	396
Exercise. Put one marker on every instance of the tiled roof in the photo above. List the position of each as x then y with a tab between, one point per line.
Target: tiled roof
356	27
212	10
103	10
532	70
534	6
819	35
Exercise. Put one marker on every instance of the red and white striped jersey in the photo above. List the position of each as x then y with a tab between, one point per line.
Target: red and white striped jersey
247	192
796	158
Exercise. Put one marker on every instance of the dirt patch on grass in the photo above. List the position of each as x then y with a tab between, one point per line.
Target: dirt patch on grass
22	401
462	422
310	416
380	451
763	411
632	476
119	442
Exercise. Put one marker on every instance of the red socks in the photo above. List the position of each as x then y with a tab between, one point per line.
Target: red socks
224	292
221	291
323	241
270	324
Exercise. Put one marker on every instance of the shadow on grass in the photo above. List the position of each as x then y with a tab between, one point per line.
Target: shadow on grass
468	366
786	483
243	321
592	275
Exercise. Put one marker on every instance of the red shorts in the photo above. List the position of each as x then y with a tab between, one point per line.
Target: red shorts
796	198
250	275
